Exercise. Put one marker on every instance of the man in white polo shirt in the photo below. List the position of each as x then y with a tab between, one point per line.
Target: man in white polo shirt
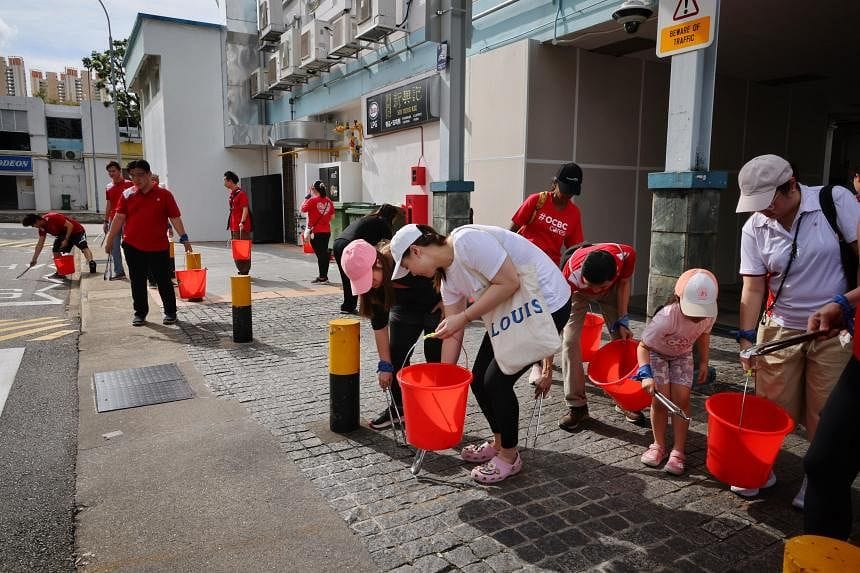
790	252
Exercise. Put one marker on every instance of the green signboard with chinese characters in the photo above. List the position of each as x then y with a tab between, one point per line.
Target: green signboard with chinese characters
406	106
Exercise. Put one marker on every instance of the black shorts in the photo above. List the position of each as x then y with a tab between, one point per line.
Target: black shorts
78	240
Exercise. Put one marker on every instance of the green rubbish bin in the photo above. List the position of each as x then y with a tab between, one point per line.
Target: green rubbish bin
337	222
356	211
66	202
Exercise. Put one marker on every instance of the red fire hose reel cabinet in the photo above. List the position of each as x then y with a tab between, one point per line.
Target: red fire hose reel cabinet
419	175
417	209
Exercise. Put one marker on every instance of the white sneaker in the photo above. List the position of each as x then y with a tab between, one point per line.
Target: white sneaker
535	374
753	491
799	499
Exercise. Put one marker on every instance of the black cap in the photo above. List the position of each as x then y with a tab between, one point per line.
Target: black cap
569	179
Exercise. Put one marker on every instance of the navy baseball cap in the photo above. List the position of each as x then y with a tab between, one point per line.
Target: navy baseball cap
569	179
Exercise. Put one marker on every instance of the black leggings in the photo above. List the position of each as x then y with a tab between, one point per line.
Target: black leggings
494	390
833	459
404	328
350	301
320	245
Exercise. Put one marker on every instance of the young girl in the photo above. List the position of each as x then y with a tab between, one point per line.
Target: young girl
320	211
666	360
463	263
399	311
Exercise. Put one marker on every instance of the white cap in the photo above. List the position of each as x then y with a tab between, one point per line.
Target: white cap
697	289
400	243
758	180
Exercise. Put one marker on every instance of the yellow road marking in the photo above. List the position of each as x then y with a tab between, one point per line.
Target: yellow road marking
54	335
27	324
26	332
16	244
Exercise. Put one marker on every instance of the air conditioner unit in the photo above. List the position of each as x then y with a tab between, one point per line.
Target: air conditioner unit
257	84
289	58
343	31
270	19
273	66
314	46
55	153
71	154
376	19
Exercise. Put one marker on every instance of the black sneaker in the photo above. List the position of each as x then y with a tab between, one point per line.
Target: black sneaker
383	420
138	321
92	266
118	277
169	319
573	419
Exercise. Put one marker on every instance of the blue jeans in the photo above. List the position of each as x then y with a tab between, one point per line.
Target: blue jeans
116	254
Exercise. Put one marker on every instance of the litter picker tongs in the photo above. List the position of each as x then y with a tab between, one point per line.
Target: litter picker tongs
534	422
768	347
671	406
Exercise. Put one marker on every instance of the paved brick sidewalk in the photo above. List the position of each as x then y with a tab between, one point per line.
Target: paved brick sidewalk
583	501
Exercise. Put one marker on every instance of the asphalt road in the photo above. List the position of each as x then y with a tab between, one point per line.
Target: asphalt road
38	412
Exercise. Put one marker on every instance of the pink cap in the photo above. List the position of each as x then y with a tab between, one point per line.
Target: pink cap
697	289
357	261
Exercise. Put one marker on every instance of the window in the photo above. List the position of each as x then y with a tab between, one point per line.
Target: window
64	128
14	141
13	120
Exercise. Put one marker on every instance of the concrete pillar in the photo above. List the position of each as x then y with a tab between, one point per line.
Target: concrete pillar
451	209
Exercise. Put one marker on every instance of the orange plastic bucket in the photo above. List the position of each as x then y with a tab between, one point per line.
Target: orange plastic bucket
744	455
611	369
434	404
65	264
241	249
192	283
589	341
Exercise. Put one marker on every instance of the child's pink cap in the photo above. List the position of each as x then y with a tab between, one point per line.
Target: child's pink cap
698	289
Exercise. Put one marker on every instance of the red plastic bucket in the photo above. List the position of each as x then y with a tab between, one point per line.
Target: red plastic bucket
744	455
192	283
434	404
611	369
589	341
65	264
241	249
308	248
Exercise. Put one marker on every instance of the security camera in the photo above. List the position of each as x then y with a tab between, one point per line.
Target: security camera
632	13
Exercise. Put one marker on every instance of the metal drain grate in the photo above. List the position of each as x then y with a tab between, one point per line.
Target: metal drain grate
133	387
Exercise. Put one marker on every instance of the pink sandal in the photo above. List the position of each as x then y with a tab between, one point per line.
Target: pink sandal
479	454
496	470
675	465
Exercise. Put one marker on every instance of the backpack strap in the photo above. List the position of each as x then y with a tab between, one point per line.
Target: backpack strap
542	198
828	207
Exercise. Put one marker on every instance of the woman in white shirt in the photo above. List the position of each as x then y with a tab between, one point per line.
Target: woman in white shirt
480	259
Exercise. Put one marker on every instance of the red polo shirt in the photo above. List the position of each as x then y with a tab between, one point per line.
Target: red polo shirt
56	225
625	262
237	201
551	227
147	217
113	192
320	210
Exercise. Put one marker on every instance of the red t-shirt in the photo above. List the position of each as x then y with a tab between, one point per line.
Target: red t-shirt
552	227
625	262
113	192
147	217
56	225
237	201
320	210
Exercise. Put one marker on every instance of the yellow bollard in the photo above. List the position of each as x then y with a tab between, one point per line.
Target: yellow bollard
192	261
343	365
808	553
240	291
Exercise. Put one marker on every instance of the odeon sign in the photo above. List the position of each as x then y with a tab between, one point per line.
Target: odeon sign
16	163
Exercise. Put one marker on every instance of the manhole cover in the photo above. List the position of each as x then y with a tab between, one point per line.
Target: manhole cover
133	387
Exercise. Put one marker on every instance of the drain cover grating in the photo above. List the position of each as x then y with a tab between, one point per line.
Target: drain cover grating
120	389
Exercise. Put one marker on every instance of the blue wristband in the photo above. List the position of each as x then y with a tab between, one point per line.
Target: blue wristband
847	312
183	238
749	335
385	366
644	372
622	321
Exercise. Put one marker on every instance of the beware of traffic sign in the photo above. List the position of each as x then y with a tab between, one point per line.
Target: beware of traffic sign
684	26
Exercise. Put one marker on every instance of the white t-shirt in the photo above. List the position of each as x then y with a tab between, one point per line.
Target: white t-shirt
816	274
672	334
481	249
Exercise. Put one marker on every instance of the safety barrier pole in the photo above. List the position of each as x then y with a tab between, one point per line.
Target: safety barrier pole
343	361
240	290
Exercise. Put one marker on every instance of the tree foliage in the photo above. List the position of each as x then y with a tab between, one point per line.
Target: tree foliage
110	74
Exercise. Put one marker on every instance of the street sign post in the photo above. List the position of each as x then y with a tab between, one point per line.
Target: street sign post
685	26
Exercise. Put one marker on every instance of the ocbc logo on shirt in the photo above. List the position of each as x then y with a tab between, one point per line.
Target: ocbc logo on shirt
557	225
